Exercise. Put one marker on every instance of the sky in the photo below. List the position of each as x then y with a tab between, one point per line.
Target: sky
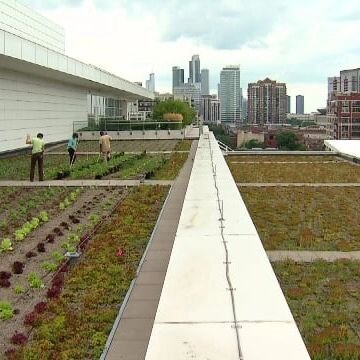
300	43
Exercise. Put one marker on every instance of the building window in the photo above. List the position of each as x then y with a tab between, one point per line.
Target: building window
346	85
345	106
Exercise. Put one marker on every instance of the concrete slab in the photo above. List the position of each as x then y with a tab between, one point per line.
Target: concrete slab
192	341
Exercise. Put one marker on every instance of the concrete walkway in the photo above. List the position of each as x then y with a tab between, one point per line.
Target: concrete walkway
131	333
298	184
72	183
311	256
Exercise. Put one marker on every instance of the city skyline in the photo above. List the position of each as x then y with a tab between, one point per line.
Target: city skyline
261	42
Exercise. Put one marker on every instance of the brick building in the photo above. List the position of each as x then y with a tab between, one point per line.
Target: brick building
343	111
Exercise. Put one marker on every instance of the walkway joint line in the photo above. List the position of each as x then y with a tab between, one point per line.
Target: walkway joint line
230	288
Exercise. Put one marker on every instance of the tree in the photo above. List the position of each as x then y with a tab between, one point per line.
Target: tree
253	143
287	140
175	107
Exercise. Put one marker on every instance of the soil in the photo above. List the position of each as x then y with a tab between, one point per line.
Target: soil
91	201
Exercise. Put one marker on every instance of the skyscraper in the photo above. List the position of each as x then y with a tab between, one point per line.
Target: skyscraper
299	104
150	84
178	77
194	70
230	94
288	104
205	82
266	102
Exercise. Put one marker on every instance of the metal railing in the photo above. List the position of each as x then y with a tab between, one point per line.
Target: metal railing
106	124
224	147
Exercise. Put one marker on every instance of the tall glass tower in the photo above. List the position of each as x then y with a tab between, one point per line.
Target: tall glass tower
230	94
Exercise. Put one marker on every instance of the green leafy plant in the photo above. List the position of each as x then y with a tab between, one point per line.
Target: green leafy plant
6	310
57	257
62	206
19	289
35	281
94	219
49	266
43	215
6	245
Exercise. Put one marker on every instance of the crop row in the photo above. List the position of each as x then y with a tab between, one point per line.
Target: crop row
93	167
75	322
32	264
32	204
133	146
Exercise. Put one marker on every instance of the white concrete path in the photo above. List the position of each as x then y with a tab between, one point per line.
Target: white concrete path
221	298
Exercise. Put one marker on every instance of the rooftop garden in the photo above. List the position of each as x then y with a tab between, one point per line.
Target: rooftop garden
53	306
272	172
303	218
324	299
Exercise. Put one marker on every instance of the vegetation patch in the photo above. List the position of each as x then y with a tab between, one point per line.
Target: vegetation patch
294	173
324	299
305	218
84	300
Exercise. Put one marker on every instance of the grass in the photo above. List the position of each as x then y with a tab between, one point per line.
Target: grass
324	299
305	218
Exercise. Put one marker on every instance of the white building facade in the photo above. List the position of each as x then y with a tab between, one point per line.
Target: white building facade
42	89
230	94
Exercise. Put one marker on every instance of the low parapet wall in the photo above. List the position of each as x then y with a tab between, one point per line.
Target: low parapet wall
135	135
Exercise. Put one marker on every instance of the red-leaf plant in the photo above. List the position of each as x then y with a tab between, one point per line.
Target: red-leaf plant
18	267
18	338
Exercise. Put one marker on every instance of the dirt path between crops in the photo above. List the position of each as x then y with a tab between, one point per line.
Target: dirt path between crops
311	256
92	201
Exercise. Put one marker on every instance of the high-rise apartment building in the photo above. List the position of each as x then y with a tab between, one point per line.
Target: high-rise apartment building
177	77
230	94
194	70
266	102
150	84
205	82
299	104
189	93
333	85
210	109
350	81
288	104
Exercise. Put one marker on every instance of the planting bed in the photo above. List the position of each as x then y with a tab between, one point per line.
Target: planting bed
305	218
325	301
18	167
133	145
160	166
294	173
284	158
70	316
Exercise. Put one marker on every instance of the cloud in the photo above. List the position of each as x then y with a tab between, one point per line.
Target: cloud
52	4
300	43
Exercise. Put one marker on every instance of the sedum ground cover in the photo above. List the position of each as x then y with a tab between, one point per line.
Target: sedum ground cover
325	301
334	172
322	218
